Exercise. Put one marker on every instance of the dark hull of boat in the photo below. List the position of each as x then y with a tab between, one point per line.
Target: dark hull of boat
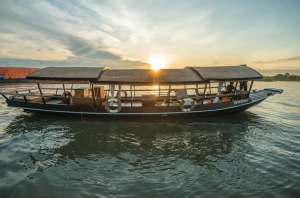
144	111
158	111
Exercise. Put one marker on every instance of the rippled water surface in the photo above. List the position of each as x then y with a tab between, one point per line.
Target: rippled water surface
255	153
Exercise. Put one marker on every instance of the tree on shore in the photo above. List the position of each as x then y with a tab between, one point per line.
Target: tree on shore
281	77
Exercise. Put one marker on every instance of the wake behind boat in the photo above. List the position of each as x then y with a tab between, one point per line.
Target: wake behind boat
192	91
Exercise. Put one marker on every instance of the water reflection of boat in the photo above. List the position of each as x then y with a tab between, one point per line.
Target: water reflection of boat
196	141
192	91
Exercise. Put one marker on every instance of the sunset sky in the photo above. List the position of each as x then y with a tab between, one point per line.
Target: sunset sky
264	34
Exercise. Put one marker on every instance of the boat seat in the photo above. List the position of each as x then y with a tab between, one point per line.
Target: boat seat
148	100
181	94
86	101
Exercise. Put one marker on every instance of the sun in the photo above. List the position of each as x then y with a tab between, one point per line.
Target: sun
157	62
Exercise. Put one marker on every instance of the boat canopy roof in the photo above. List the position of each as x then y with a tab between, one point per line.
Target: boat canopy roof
241	72
67	74
149	76
105	75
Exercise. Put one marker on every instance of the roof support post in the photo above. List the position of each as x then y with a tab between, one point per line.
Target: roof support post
235	86
235	97
197	89
251	85
25	99
4	96
159	90
131	94
203	94
65	91
93	94
39	86
119	92
169	96
112	91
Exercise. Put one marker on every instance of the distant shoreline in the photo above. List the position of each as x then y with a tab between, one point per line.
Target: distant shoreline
281	77
13	81
278	80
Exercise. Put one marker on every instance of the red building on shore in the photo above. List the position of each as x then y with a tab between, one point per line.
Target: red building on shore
15	73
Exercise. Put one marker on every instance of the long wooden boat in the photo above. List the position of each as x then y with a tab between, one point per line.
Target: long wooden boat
191	91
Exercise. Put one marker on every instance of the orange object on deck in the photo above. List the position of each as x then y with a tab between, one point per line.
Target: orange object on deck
225	100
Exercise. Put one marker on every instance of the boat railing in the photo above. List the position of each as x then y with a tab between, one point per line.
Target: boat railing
56	89
34	95
158	98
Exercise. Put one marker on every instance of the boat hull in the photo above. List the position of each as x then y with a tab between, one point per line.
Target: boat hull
156	111
161	111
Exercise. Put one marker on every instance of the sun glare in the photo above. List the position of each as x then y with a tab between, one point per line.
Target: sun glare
157	62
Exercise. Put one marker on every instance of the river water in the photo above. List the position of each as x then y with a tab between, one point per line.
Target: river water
255	153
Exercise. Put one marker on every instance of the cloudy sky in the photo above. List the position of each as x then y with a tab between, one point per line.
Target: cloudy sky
264	34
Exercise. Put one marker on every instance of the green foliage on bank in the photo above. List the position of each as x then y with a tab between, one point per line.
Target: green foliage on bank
281	77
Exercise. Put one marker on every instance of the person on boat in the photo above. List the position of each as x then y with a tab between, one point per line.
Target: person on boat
230	88
198	97
243	85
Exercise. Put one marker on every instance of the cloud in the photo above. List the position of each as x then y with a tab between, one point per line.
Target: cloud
120	32
4	49
206	39
56	36
99	54
75	62
295	58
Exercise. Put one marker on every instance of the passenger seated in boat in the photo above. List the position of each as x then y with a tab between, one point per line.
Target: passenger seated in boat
222	93
66	97
243	85
230	88
198	97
